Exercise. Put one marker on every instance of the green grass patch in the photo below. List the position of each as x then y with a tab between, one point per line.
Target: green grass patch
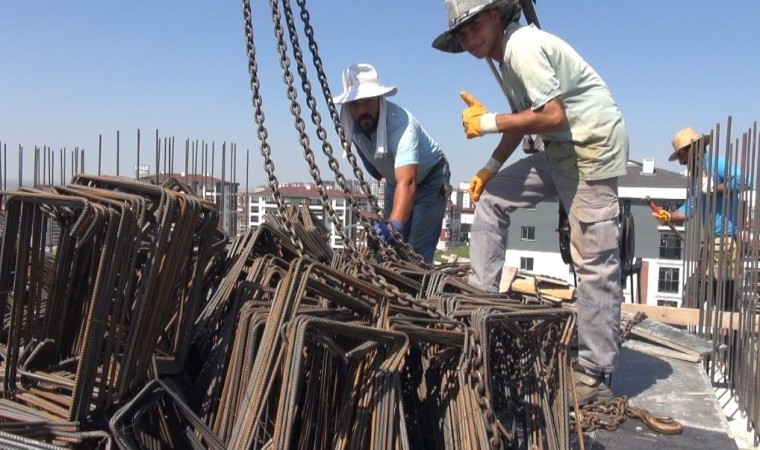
462	251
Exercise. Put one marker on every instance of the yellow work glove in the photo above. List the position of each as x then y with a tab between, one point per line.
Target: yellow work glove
476	119
478	182
662	216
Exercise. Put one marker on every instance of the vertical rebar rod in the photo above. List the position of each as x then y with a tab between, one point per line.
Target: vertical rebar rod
35	169
223	193
42	161
195	162
118	153
51	160
171	163
158	155
137	172
100	154
20	164
204	171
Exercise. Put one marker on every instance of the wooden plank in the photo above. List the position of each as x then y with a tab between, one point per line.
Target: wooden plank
684	316
551	288
508	274
671	337
656	350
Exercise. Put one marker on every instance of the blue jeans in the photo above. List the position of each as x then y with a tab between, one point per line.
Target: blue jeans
423	229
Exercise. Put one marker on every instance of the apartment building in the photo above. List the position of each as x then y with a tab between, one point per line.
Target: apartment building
253	206
657	277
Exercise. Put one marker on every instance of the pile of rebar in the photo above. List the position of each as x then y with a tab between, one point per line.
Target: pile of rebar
130	320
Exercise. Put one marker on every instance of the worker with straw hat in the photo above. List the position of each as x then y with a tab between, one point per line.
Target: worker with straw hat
714	188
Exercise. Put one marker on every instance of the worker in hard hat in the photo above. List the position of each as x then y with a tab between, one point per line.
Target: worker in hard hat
554	93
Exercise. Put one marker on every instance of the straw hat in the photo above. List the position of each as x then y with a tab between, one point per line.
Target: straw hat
361	81
683	140
459	12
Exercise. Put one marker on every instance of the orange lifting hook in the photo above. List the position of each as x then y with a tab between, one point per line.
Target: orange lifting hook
660	424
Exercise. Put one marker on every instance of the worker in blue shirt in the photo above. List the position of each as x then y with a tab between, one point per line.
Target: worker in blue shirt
393	146
714	190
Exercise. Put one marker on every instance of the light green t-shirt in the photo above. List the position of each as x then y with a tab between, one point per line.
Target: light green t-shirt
538	67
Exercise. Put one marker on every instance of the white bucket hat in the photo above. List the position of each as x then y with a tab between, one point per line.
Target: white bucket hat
683	139
361	81
459	12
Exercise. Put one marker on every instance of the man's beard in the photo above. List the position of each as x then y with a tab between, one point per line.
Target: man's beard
367	123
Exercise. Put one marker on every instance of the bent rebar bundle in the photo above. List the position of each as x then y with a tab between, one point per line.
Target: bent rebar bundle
135	323
132	320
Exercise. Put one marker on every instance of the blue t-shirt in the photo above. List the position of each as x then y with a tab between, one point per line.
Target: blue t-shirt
408	143
733	182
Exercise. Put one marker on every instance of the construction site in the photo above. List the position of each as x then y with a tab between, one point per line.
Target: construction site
139	315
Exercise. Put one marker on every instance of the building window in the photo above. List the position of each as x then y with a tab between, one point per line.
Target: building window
526	264
668	280
528	233
670	246
670	303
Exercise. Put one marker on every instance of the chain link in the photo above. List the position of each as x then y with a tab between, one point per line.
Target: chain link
266	151
496	433
635	320
316	119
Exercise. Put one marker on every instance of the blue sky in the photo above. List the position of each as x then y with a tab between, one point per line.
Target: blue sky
70	71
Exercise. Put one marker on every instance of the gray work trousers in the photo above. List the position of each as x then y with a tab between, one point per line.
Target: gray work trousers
593	213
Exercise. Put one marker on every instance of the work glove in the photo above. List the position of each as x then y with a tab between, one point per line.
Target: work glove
478	182
386	231
662	216
476	119
706	184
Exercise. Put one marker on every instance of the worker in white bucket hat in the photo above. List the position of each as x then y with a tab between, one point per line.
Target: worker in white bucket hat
393	146
556	94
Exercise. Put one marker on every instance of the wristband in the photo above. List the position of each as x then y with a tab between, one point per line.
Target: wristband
488	123
493	165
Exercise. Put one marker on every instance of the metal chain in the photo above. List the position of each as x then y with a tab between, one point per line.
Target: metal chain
402	298
393	292
496	433
400	251
636	319
266	151
609	414
315	117
358	173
